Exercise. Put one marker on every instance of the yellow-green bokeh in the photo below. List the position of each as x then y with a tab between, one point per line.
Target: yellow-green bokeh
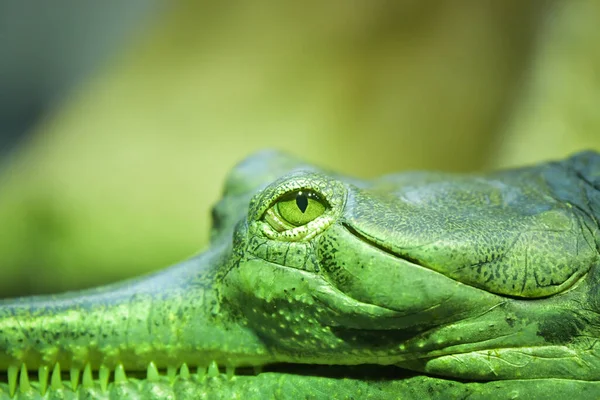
120	179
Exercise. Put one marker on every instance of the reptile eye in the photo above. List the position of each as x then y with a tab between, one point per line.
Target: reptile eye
301	207
295	209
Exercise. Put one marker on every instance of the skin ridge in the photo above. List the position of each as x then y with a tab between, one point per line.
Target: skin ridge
410	275
584	192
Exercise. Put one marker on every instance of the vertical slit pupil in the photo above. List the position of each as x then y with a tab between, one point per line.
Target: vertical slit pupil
302	201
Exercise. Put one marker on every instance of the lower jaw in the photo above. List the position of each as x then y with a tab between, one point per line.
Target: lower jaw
285	382
89	384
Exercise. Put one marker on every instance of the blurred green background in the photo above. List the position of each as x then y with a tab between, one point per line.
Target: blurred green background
120	120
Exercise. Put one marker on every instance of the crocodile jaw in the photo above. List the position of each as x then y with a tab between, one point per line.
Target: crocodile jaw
169	321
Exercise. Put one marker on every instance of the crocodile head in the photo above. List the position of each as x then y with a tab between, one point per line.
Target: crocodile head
311	275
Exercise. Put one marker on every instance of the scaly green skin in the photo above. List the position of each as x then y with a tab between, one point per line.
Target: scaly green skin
482	285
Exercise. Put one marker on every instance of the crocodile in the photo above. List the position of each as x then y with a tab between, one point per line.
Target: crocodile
317	285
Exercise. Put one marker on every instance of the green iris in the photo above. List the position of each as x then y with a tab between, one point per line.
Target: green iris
300	207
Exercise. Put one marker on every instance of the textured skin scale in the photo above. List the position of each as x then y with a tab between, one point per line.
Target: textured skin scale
411	285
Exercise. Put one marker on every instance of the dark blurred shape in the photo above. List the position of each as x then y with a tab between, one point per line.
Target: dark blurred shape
47	47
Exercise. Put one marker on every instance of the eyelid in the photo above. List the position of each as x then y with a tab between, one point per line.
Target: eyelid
313	194
276	221
277	226
332	194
